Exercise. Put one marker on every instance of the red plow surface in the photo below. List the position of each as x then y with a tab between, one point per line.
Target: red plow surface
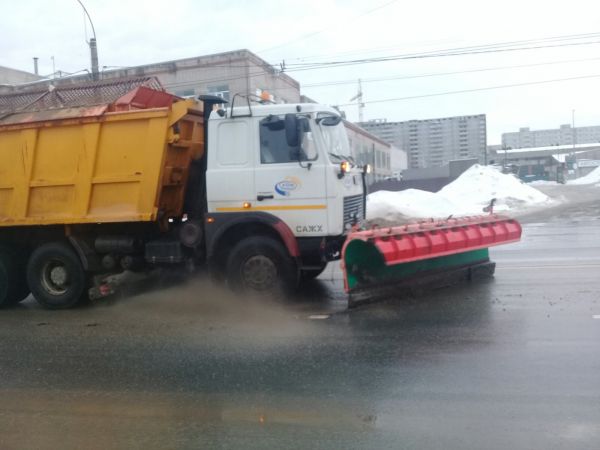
366	253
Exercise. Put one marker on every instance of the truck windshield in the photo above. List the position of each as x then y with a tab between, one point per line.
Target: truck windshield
336	142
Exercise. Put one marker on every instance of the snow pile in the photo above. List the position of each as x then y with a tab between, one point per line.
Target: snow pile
468	194
479	184
543	183
410	204
590	178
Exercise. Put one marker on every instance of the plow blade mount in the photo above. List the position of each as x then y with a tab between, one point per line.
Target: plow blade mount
380	262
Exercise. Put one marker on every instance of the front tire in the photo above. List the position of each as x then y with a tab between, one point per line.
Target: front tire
261	264
55	276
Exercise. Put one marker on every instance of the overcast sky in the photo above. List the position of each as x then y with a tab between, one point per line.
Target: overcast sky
299	32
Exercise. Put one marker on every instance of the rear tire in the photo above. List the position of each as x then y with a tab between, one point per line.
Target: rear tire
13	283
261	265
311	274
56	277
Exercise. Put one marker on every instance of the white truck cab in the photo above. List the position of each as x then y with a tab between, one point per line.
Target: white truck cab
289	162
251	167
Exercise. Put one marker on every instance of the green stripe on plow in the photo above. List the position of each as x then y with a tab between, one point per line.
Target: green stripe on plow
366	266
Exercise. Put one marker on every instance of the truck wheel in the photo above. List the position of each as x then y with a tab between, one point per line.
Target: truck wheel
310	274
13	284
261	264
55	276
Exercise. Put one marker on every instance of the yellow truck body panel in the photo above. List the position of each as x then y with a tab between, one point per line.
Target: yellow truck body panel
107	167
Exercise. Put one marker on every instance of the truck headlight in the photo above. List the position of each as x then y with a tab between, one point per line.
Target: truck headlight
344	169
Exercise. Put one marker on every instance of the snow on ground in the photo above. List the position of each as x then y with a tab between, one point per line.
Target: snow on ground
468	194
410	204
591	178
543	183
479	184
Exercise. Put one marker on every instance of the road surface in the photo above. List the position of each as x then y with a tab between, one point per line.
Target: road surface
509	363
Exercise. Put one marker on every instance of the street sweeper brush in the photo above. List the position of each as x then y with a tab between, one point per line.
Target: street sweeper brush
378	261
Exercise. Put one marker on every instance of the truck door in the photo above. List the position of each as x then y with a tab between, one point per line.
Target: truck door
293	190
230	175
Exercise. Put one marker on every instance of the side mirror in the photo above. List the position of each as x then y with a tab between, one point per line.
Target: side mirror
292	132
330	121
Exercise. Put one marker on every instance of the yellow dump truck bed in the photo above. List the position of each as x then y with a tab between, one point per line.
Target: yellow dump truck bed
97	164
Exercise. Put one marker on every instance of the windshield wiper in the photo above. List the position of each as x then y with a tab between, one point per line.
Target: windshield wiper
344	158
335	155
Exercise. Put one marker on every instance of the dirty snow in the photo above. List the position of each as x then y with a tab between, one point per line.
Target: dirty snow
410	204
543	183
479	184
591	178
468	194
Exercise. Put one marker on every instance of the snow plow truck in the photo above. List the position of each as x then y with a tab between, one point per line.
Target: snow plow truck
101	178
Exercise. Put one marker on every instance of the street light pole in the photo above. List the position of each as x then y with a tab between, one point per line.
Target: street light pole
574	139
93	46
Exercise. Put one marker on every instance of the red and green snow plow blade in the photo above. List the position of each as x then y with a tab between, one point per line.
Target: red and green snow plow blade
384	262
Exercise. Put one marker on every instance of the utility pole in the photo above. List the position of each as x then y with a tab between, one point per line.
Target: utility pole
94	55
359	101
93	43
574	139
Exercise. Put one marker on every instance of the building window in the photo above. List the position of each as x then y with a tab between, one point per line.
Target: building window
185	93
221	90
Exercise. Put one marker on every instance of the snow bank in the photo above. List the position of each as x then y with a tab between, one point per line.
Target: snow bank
543	183
410	204
479	184
468	194
590	178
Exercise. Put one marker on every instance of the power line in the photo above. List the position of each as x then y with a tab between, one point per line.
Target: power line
313	66
464	91
473	47
276	73
438	74
260	73
438	53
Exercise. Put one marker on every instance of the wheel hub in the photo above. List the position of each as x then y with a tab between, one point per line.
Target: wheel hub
58	275
55	277
259	273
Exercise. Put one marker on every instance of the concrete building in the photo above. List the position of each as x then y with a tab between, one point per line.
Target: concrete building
221	74
564	135
435	142
13	76
366	148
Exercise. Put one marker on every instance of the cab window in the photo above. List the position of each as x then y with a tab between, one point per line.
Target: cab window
274	148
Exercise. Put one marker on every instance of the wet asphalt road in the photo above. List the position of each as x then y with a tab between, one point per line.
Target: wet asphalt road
513	362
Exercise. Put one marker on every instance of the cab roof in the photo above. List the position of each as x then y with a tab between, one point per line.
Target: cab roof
276	109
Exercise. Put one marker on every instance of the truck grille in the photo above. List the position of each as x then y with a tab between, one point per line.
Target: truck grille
353	209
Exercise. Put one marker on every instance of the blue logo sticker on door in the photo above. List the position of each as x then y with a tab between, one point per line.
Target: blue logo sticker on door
287	185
